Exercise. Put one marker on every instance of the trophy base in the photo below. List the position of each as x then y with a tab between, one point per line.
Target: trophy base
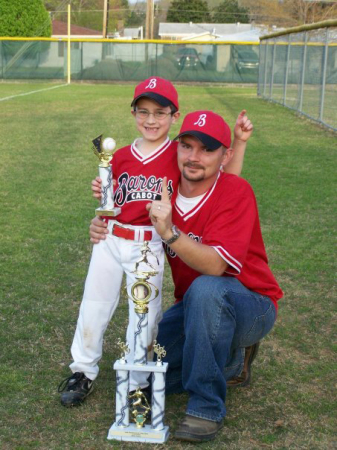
133	434
108	212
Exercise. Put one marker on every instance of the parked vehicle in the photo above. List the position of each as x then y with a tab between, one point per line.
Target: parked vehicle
187	57
247	61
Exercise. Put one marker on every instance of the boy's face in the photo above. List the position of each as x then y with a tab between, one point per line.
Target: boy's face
153	129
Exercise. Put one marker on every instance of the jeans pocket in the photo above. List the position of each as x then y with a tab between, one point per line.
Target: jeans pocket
261	327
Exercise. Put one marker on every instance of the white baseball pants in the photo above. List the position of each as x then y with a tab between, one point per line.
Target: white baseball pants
110	259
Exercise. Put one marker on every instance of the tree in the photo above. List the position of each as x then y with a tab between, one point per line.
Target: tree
89	13
183	11
289	13
136	18
304	12
230	12
24	18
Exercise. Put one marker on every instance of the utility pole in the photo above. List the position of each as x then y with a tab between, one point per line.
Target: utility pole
105	18
149	19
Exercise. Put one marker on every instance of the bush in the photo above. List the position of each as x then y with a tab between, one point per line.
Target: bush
24	18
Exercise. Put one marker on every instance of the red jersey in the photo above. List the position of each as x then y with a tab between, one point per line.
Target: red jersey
139	180
227	219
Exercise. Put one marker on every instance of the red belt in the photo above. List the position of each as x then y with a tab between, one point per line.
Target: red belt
129	234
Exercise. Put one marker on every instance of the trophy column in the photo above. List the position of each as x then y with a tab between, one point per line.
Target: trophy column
142	292
158	391
104	151
122	389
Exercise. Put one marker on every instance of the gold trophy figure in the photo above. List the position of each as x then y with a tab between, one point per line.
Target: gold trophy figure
104	151
124	348
141	407
160	351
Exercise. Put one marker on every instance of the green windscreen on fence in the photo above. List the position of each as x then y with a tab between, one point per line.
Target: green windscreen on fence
129	61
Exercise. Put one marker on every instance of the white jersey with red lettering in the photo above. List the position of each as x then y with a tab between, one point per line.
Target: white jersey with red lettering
226	218
139	179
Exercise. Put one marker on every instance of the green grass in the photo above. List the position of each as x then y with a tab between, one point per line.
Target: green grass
46	205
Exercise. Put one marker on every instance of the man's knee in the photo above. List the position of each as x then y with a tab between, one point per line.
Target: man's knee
208	290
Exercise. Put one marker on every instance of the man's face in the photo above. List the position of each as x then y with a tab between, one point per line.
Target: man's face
152	127
197	163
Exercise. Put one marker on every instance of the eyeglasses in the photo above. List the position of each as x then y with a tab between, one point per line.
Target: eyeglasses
144	114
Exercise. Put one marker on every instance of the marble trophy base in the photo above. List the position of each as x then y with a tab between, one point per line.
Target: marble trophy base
147	433
107	212
133	434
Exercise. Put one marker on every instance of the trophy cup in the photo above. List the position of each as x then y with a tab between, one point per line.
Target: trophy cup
142	292
104	151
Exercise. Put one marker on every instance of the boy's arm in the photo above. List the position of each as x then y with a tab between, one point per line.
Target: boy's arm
242	132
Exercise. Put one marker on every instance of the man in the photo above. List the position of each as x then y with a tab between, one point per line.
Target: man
226	295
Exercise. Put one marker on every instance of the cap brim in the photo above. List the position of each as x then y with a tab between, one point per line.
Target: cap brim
208	141
162	101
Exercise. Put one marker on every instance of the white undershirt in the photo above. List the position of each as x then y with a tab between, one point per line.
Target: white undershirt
187	204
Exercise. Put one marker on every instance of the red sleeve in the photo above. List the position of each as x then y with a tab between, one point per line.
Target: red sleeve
230	225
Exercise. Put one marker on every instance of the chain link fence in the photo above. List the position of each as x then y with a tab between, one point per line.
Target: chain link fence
298	69
113	60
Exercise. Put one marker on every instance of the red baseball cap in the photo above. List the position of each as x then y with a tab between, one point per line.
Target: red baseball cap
160	90
208	127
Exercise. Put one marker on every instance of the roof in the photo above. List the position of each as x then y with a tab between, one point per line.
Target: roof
187	29
61	29
246	36
207	36
132	32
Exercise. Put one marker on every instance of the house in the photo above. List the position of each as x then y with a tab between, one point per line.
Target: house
203	31
132	33
60	29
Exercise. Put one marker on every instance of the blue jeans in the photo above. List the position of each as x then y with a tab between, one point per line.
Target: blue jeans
204	337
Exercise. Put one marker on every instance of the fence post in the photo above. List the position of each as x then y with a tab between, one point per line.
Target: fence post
286	71
156	71
2	60
272	71
326	48
68	47
265	70
303	70
259	79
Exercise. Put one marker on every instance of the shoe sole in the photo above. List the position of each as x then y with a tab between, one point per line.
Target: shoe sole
70	405
252	356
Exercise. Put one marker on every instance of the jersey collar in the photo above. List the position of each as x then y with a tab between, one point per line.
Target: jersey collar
196	208
145	159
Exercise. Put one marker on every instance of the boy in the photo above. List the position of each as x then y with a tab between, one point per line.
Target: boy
139	170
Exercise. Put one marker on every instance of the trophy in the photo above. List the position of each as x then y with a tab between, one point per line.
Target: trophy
137	404
104	151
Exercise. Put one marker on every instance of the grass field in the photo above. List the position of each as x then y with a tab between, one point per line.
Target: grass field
46	205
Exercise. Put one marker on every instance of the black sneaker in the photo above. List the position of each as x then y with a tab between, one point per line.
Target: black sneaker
75	389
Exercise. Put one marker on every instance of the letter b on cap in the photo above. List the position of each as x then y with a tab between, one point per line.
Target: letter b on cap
201	121
152	84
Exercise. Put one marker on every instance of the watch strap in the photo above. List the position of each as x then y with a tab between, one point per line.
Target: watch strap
176	233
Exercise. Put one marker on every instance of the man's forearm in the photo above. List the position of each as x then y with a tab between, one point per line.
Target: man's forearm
199	257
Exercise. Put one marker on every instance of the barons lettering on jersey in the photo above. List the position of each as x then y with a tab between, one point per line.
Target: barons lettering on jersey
135	188
172	254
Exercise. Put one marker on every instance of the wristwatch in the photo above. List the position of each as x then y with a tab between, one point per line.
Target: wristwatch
176	233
